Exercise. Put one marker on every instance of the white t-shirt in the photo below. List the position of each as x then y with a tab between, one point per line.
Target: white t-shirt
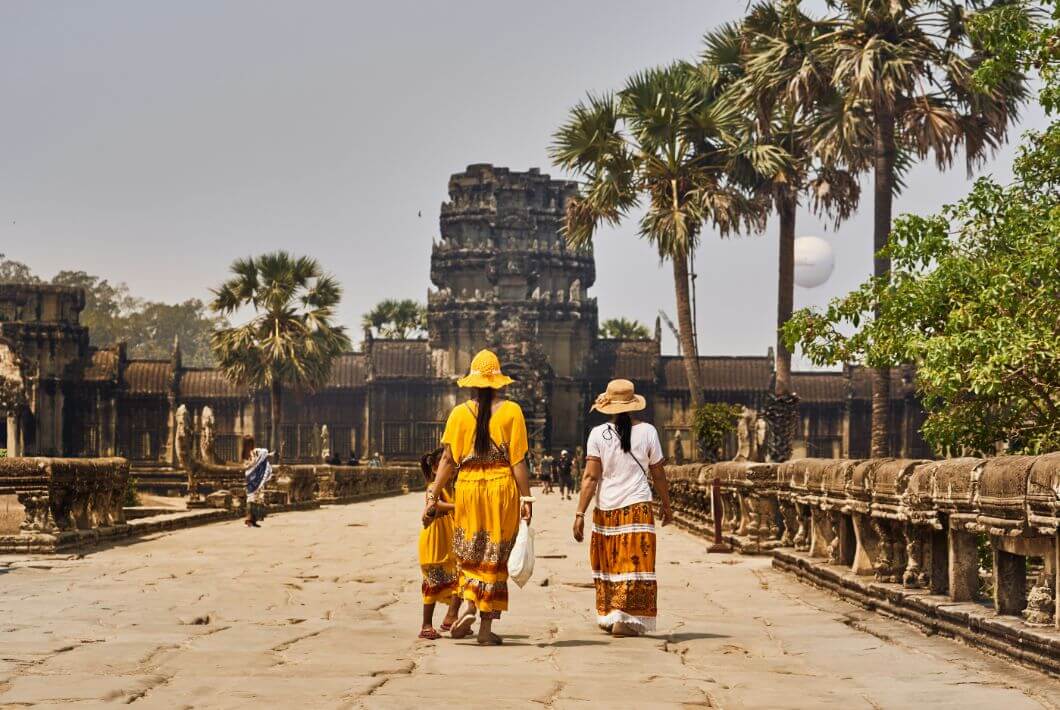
624	481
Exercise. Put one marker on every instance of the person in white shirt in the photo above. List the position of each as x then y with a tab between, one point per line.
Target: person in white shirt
623	461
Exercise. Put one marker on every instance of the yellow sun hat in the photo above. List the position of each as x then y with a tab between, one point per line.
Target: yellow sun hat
485	372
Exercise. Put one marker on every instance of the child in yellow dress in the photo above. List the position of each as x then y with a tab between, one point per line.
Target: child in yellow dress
437	560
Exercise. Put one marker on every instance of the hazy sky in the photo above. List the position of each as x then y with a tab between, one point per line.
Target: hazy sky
154	142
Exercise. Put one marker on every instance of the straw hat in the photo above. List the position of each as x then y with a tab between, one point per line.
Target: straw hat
620	397
485	372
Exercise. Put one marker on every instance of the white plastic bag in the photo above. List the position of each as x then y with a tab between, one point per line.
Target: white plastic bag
521	559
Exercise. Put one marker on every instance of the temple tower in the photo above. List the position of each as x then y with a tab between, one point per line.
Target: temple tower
506	279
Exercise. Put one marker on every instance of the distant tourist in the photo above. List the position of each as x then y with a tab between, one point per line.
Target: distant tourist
619	457
376	461
353	461
257	471
548	466
566	476
334	459
437	559
485	446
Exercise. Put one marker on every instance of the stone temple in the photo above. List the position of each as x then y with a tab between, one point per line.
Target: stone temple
503	278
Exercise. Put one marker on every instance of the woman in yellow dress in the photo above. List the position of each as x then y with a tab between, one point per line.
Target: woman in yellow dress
485	445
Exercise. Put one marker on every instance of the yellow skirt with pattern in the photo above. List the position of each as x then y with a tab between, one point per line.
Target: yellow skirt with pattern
487	521
622	555
437	561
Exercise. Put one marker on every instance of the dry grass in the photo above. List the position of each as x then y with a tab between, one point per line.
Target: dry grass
10	515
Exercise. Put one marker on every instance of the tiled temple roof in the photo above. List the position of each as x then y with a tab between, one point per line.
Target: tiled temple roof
627	359
400	358
348	371
147	377
813	387
102	366
721	373
209	383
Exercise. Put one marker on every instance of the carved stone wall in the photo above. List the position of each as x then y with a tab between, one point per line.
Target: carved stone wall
905	536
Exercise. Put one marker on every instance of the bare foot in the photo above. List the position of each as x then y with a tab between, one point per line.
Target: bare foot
490	639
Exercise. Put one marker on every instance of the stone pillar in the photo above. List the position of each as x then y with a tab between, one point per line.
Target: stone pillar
1010	582
865	546
963	562
169	454
14	434
937	560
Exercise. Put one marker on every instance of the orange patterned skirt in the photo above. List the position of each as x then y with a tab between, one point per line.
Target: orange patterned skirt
622	554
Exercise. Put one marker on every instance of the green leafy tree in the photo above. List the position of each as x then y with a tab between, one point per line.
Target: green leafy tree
15	272
153	327
712	423
973	293
113	315
663	143
905	71
290	340
397	319
623	329
107	307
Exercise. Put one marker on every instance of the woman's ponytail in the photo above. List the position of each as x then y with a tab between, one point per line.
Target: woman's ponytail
624	427
484	398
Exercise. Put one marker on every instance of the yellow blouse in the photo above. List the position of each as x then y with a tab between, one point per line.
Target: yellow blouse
507	428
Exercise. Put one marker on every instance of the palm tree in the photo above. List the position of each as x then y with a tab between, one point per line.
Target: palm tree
395	319
623	329
770	62
904	70
290	340
664	140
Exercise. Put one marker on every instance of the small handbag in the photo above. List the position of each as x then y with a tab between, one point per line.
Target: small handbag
521	559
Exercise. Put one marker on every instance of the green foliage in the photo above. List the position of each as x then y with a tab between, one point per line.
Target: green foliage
1018	38
113	315
3	453
623	329
131	497
972	301
397	319
291	338
712	423
15	272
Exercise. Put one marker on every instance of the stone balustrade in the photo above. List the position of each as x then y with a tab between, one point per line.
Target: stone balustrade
64	499
905	536
299	484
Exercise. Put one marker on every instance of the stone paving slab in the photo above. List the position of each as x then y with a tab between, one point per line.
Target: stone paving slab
321	609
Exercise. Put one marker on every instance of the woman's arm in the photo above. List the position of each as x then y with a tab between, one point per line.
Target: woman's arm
522	482
590	480
446	466
662	490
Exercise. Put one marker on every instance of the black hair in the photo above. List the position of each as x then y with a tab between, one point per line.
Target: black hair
247	447
428	462
624	427
484	397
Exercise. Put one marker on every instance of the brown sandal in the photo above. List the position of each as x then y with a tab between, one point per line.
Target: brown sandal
429	634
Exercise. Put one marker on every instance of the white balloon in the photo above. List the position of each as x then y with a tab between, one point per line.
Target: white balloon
814	261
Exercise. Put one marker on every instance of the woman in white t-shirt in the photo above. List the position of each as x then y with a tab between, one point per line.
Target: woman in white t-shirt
620	458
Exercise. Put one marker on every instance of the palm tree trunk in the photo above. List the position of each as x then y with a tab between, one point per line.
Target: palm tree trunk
785	289
883	164
275	412
684	328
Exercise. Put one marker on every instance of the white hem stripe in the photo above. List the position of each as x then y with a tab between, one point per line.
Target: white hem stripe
624	529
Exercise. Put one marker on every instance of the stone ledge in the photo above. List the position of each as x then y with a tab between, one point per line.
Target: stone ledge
975	624
86	540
